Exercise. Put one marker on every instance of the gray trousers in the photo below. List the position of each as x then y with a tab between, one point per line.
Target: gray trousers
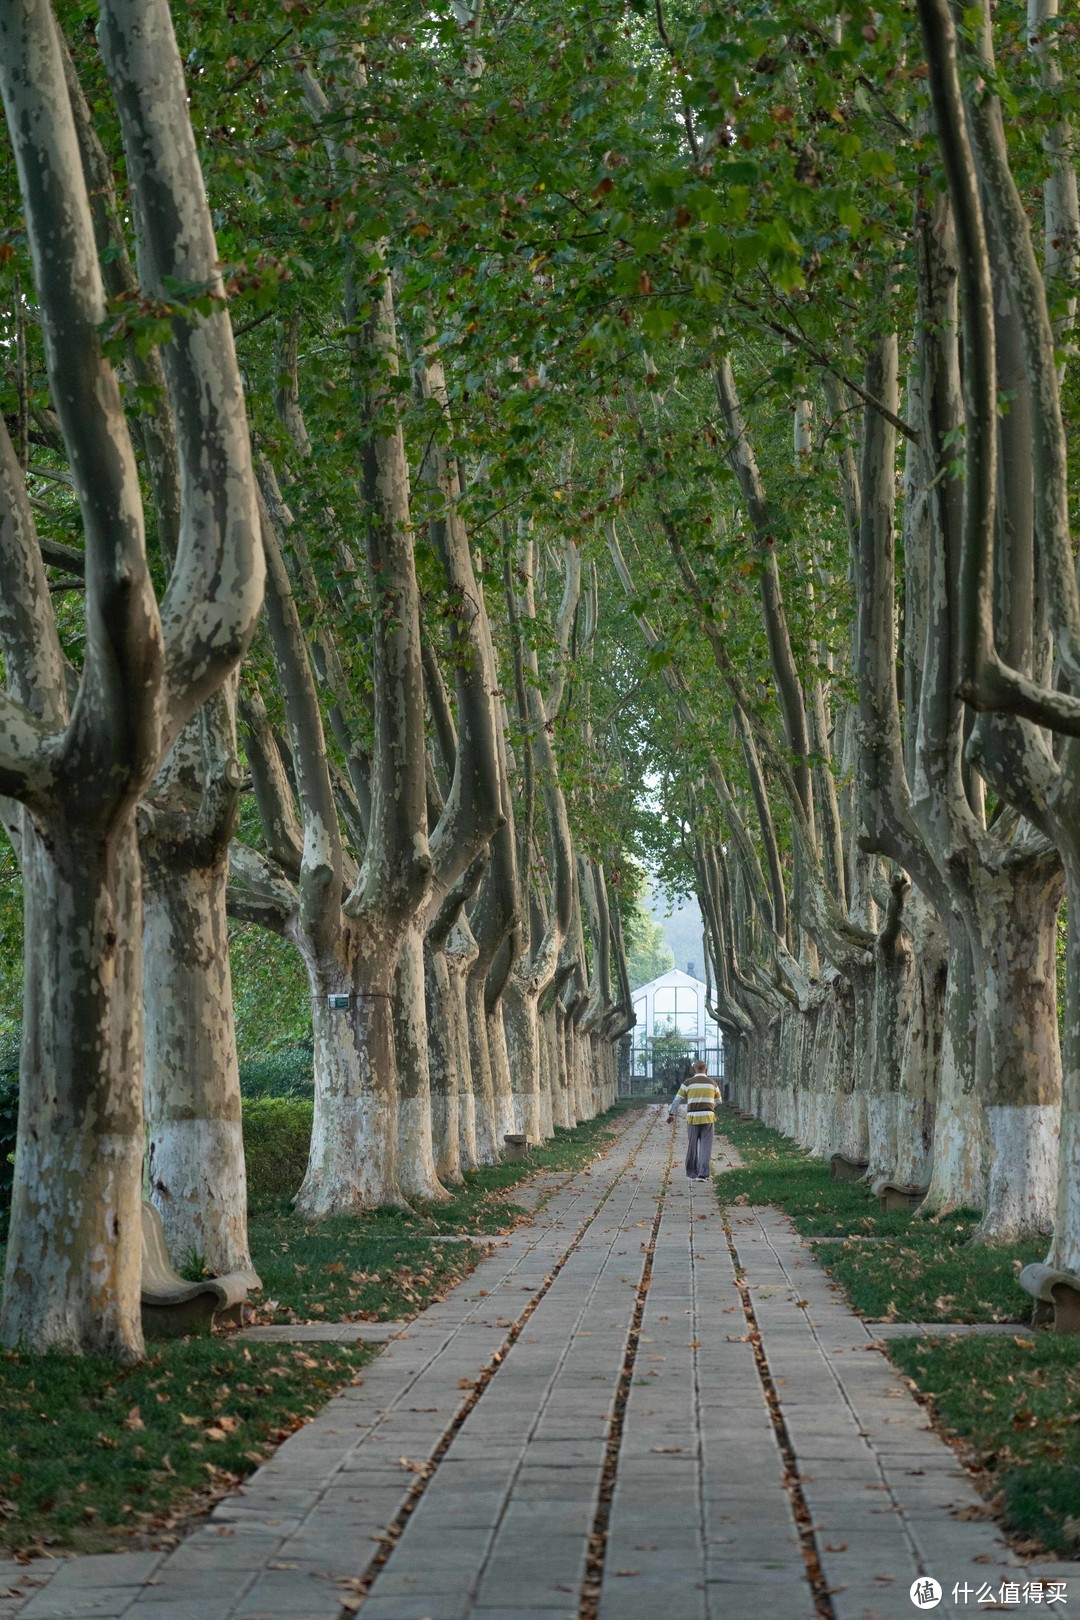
699	1139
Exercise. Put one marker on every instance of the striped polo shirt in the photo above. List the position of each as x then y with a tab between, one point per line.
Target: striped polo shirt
701	1096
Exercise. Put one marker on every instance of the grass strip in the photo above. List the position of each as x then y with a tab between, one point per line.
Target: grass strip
97	1457
1015	1401
914	1270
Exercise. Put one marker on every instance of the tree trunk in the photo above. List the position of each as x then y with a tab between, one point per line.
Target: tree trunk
894	974
562	1100
894	971
74	1252
416	1158
353	1160
547	1079
501	1080
196	1146
522	1033
856	1059
488	1145
443	1064
958	1177
461	952
920	1060
1018	1003
1065	1248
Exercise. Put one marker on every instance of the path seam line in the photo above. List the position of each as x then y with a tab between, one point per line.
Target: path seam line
804	1523
592	1581
362	1585
545	1401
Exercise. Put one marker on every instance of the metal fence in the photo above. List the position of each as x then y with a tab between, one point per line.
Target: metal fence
640	1076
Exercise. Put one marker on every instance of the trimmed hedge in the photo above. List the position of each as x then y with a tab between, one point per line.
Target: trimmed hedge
288	1073
277	1124
277	1136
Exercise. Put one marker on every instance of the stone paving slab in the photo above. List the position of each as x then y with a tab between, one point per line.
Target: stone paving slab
885	1491
680	1508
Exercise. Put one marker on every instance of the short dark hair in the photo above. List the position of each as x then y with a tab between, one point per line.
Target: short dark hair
701	1065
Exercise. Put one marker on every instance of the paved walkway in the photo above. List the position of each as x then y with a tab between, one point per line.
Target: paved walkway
628	1411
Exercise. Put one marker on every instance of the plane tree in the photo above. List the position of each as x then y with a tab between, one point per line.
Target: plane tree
77	761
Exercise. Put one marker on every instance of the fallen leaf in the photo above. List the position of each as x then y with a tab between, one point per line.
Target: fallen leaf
134	1421
1025	1344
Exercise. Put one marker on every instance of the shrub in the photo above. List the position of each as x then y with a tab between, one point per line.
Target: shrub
288	1073
277	1135
278	1108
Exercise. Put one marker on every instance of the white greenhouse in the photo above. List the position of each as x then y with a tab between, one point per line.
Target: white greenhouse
673	1005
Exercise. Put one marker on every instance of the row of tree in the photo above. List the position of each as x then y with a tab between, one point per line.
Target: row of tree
377	783
882	588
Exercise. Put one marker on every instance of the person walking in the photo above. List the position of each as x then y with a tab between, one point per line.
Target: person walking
701	1096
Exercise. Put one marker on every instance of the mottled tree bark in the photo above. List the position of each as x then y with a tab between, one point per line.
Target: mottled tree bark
195	1139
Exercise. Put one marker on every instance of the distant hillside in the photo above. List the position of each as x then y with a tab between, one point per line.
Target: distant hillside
682	930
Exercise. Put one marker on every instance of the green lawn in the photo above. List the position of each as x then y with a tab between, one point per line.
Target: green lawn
94	1456
915	1270
1016	1402
1014	1399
